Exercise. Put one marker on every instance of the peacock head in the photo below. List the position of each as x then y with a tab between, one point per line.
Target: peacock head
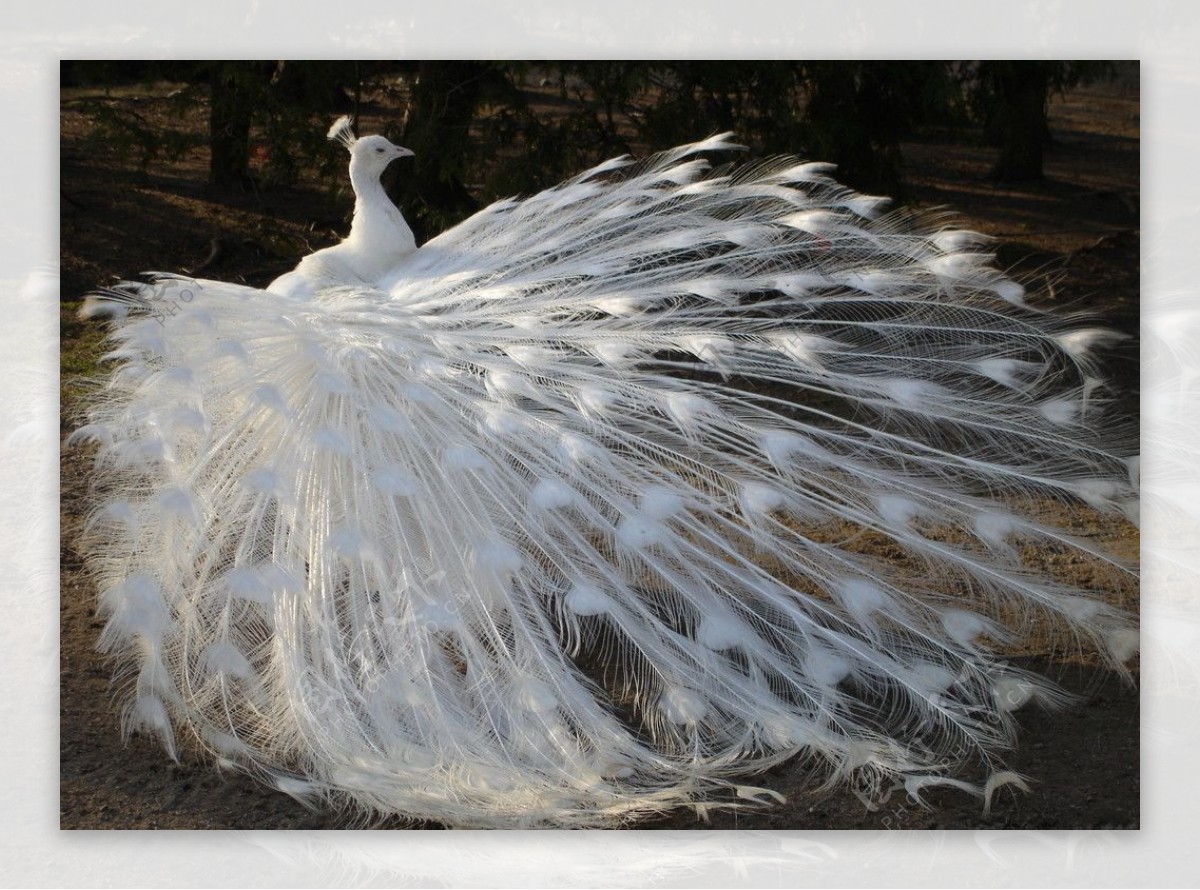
370	154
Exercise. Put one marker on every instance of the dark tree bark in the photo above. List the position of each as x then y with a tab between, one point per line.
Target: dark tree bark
437	130
229	121
1016	119
858	112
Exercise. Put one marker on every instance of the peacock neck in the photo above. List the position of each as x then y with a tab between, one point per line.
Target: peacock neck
378	226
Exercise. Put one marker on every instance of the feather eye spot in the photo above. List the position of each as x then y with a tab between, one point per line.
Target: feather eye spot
588	600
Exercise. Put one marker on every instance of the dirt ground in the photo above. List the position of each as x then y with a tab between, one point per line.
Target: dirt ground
1077	232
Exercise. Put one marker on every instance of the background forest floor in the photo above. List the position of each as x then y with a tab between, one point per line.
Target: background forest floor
1076	234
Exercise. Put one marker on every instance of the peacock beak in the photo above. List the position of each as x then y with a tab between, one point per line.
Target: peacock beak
403	152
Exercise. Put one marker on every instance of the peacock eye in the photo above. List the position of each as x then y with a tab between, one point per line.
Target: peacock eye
379	151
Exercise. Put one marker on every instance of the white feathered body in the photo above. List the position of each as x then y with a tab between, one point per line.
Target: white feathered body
554	522
379	237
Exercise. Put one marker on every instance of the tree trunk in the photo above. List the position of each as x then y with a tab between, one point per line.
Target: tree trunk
229	125
437	130
1018	120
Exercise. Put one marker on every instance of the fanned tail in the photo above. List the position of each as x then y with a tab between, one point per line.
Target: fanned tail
568	521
